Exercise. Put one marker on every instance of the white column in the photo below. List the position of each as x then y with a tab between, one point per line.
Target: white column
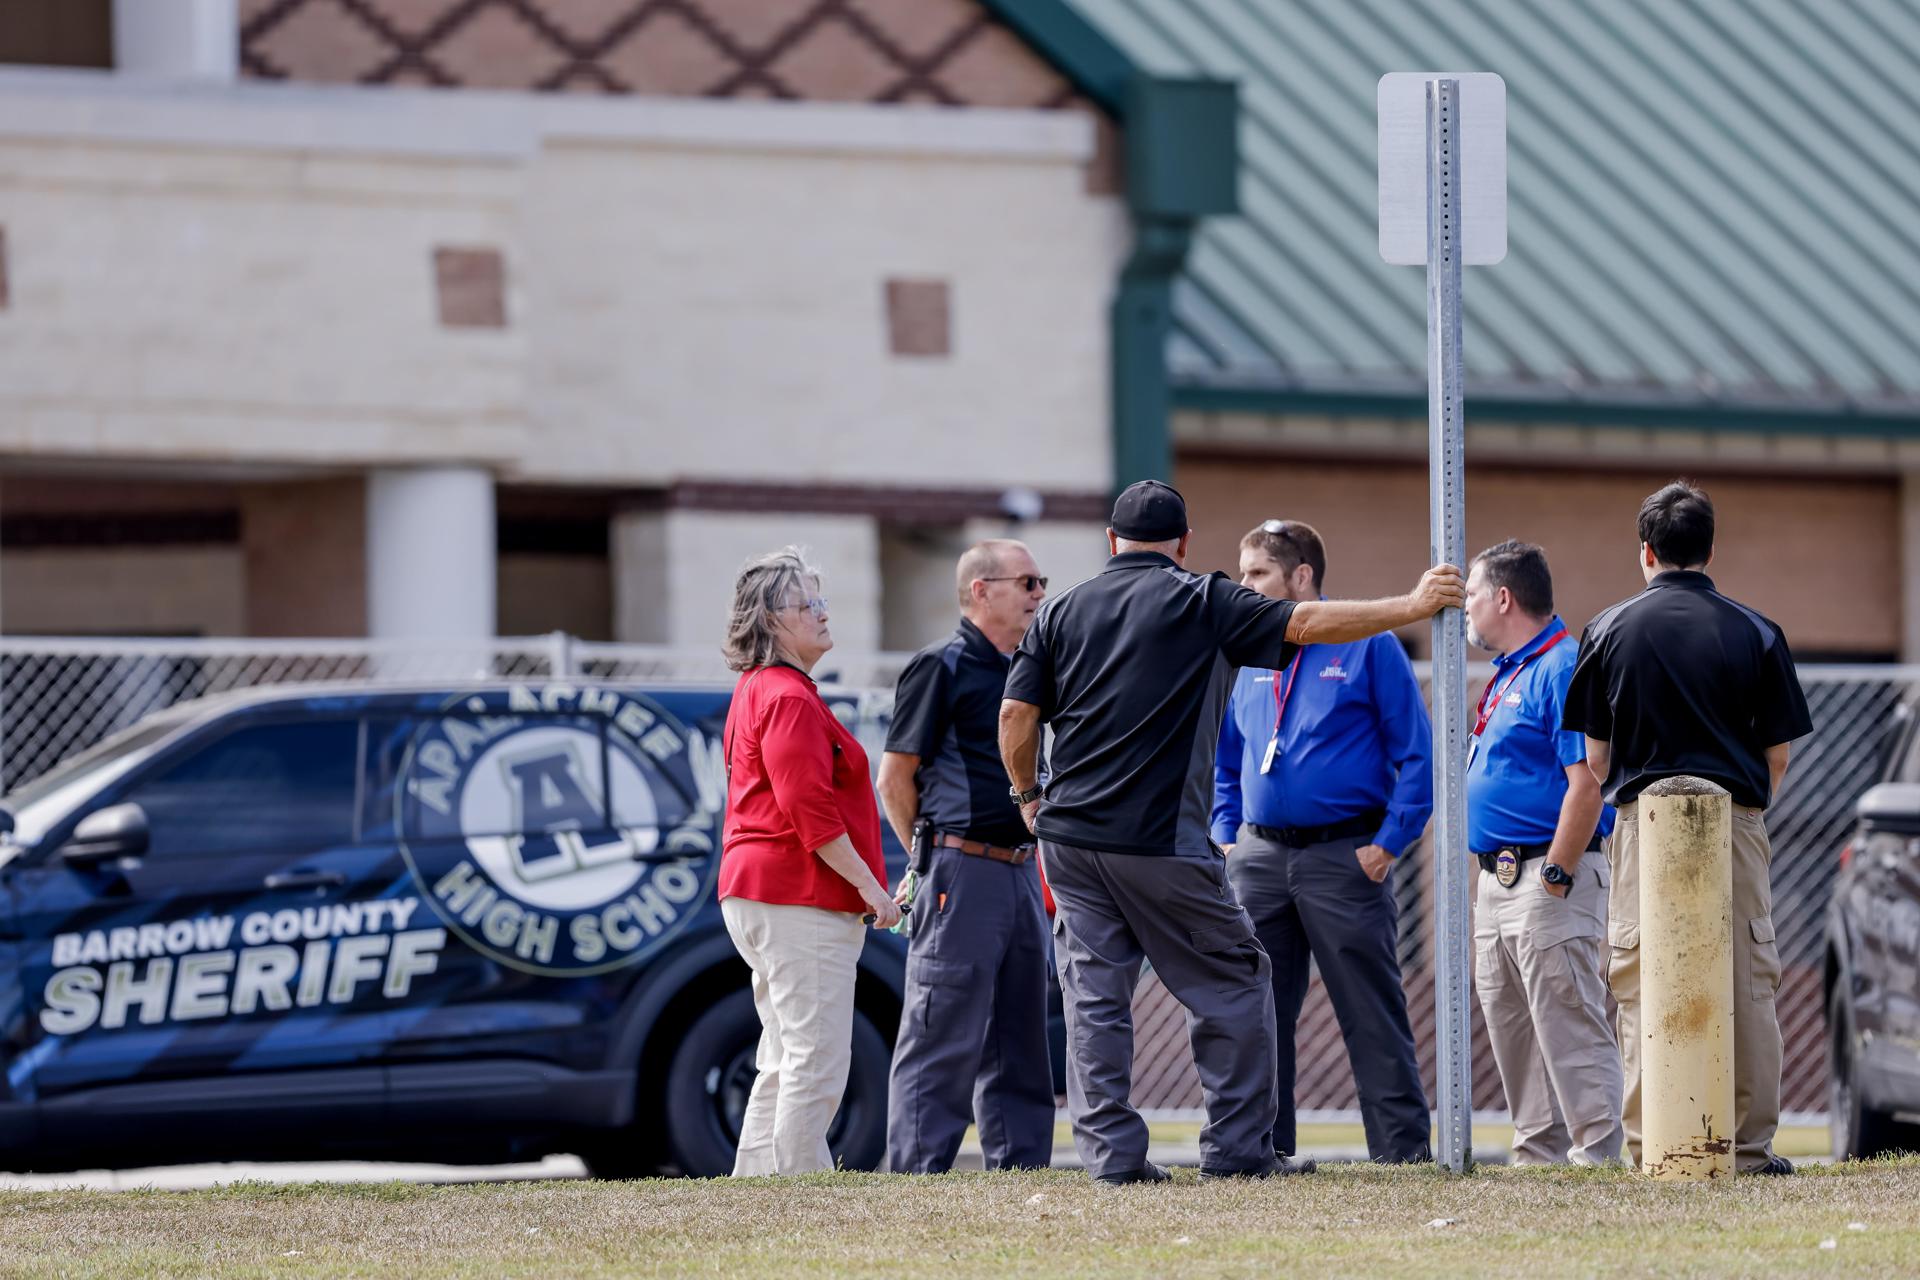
180	39
430	554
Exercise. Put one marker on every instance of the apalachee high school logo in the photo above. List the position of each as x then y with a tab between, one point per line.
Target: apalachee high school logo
587	818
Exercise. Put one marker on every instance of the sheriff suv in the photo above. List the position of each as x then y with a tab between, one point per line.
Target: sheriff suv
1873	962
458	924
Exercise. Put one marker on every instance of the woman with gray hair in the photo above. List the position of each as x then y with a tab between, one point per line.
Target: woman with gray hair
800	863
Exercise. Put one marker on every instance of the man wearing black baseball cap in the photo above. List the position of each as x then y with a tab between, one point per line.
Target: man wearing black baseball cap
1132	668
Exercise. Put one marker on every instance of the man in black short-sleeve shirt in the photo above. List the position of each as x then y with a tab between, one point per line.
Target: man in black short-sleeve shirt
1131	669
1681	681
973	1029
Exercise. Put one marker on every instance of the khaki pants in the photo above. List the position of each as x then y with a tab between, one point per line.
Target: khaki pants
1756	979
804	962
1538	969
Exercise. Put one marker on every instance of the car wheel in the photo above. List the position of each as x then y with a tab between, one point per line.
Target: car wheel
712	1075
1859	1132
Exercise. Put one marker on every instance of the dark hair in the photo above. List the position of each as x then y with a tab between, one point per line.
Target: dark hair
1677	522
1292	544
1520	567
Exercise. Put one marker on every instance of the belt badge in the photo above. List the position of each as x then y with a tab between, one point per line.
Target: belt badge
1506	868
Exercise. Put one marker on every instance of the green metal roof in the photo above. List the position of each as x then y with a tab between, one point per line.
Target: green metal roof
1712	204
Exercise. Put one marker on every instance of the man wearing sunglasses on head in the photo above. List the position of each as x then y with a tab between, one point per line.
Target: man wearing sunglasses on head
973	1032
1322	779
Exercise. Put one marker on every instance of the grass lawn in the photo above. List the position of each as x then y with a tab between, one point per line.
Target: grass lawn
1793	1141
1353	1220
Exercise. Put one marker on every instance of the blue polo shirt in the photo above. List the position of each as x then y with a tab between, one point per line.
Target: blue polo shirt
1518	775
1355	739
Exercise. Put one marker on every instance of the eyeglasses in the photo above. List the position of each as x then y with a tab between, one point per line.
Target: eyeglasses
816	604
1027	581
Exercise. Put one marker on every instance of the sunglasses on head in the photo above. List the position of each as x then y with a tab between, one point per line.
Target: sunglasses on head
1027	581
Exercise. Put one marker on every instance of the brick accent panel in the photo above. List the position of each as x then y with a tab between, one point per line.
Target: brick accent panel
472	288
1776	535
919	317
946	52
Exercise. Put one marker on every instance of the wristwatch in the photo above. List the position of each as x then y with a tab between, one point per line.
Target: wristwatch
1556	875
1026	797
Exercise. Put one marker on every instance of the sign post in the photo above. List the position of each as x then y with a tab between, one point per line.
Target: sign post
1443	203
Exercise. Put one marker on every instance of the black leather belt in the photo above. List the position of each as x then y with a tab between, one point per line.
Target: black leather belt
1367	824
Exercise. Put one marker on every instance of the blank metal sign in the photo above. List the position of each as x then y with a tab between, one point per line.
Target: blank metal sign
1403	166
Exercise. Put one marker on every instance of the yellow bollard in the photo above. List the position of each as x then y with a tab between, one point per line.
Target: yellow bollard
1686	983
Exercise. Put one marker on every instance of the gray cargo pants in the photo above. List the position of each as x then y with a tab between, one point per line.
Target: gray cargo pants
973	1032
1115	910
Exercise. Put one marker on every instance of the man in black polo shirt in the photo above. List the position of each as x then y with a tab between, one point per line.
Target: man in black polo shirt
973	1032
1677	681
1132	668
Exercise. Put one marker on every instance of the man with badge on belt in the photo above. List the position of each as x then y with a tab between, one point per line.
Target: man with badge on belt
1535	821
973	1029
1132	669
1323	778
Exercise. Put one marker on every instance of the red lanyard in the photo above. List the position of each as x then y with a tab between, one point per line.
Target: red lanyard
1280	699
1487	707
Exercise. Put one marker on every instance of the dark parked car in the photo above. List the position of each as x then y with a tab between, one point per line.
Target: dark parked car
1873	962
461	924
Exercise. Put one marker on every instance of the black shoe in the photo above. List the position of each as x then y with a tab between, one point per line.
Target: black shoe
1149	1172
1282	1167
1777	1167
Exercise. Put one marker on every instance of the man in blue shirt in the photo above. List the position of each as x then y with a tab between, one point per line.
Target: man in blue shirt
1535	821
1322	779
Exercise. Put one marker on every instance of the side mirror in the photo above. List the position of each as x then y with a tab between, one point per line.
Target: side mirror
1891	806
118	831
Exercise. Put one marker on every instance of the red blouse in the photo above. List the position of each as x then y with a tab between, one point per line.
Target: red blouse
796	778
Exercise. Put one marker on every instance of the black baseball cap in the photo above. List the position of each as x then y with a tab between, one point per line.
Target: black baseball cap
1149	511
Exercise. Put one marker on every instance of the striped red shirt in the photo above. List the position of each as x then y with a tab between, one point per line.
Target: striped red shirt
796	778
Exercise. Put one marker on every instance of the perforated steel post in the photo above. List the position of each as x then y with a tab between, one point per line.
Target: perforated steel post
1446	465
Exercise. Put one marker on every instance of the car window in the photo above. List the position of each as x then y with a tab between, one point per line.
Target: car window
125	743
267	787
466	776
469	776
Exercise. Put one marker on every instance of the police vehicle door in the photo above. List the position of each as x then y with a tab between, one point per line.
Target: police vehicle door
255	942
560	836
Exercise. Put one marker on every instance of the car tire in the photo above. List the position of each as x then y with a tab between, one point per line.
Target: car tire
1859	1132
712	1072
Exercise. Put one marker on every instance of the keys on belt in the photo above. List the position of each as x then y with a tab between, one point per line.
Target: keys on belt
981	849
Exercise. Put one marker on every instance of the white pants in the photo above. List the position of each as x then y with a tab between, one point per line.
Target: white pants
804	960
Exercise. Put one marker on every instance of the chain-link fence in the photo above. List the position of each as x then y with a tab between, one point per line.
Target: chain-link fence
1853	709
58	697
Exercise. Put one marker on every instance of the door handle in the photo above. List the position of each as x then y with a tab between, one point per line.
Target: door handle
305	880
